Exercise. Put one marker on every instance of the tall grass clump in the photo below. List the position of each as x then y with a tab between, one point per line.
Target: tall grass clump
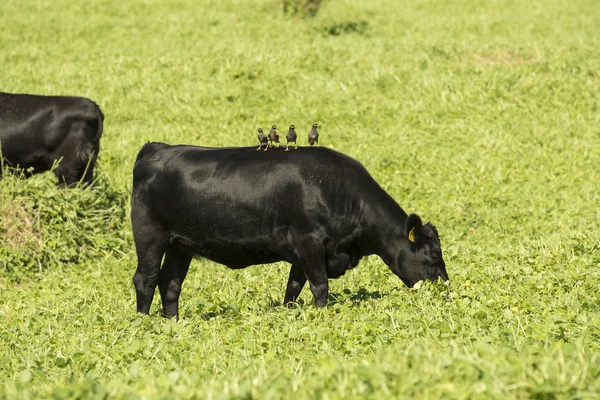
44	227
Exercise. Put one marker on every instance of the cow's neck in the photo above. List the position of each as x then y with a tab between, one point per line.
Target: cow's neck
383	226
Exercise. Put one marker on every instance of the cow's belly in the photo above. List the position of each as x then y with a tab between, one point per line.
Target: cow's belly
240	253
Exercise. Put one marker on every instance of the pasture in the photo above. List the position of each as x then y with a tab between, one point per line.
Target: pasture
482	117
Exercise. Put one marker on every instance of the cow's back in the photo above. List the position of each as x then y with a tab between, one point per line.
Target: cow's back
15	107
243	173
314	162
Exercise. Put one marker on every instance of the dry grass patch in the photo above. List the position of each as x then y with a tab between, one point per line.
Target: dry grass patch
18	227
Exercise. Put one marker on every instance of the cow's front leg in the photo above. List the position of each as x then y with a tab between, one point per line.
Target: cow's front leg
319	287
316	272
295	283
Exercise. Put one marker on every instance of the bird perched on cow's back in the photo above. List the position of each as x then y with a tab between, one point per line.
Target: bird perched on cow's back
263	139
313	135
273	136
291	137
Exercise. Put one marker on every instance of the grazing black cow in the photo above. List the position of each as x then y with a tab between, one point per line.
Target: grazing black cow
315	208
36	131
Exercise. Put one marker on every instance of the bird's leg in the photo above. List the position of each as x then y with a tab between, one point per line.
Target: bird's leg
287	146
259	147
266	147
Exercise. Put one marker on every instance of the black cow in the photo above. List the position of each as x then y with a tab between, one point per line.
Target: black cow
37	131
315	208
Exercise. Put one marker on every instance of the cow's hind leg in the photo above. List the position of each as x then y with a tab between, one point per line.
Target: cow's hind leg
146	276
78	154
150	244
67	171
87	164
295	283
71	172
171	278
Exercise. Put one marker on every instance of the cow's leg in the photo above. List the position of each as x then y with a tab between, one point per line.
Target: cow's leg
150	245
84	163
146	275
77	152
86	168
317	278
67	171
295	283
70	173
312	259
171	278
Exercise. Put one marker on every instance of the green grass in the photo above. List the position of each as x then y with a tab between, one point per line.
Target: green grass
480	116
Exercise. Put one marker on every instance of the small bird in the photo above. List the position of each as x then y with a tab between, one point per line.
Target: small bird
291	137
313	135
273	136
263	139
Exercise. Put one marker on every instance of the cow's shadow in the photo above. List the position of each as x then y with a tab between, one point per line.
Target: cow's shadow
357	297
222	311
334	298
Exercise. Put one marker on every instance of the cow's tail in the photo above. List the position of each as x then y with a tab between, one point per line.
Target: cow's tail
94	126
88	148
144	163
100	127
148	149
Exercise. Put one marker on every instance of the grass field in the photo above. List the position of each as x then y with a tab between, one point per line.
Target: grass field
481	116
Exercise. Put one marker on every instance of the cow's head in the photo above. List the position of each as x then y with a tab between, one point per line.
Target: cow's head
420	255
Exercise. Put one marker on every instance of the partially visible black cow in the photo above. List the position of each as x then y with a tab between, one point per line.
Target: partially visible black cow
315	208
37	131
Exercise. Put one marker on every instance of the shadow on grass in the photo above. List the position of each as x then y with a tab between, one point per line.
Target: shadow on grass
225	310
361	295
334	298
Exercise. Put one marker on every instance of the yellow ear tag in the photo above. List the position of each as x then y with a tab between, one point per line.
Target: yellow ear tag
411	235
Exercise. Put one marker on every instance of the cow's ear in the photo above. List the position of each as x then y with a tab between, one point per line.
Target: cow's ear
413	226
